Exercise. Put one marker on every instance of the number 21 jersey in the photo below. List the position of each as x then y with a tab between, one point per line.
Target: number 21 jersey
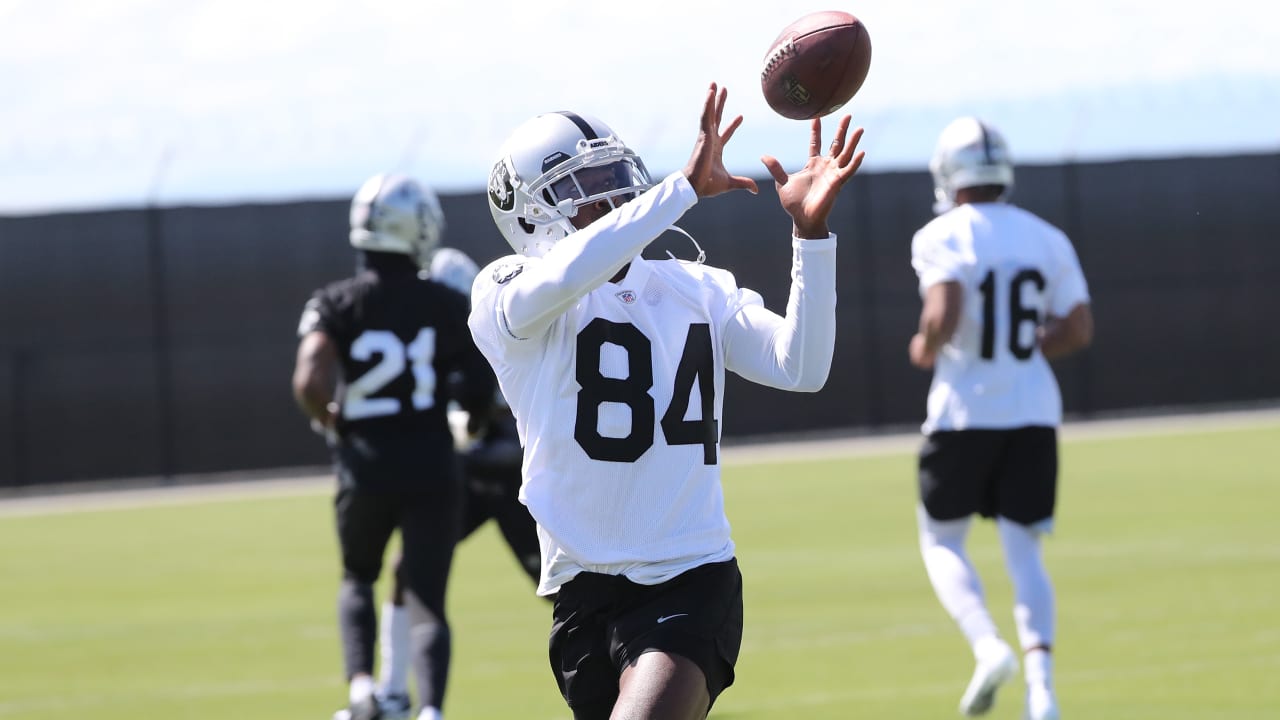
399	338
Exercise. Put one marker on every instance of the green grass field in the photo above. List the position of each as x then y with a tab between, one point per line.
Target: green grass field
1166	561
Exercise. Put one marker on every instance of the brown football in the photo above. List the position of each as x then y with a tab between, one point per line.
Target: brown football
816	65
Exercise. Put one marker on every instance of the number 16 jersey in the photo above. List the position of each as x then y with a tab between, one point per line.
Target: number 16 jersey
1015	270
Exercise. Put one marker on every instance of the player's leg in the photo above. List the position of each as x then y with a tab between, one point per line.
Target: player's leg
429	525
954	473
364	524
678	643
662	685
393	646
1028	498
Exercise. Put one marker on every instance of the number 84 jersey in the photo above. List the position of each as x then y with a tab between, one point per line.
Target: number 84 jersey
618	406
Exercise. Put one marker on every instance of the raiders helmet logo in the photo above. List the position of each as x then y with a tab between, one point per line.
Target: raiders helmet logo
501	193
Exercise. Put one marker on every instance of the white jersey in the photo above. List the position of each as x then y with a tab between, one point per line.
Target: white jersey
619	399
1015	270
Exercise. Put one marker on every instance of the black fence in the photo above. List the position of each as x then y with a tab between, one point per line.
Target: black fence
160	341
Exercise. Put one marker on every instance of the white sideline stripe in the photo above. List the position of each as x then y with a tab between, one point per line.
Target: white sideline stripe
308	481
128	499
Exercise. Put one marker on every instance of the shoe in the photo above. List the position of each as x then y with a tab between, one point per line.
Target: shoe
367	709
394	707
996	665
1041	705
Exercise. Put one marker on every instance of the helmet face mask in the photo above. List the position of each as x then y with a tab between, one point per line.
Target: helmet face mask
396	214
592	183
551	166
969	153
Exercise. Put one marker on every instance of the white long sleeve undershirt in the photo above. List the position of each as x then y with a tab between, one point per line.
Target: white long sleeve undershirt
791	352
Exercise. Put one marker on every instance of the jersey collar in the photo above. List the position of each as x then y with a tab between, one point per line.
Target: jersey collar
635	278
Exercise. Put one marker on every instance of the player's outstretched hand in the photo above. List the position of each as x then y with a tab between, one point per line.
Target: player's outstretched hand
809	194
706	171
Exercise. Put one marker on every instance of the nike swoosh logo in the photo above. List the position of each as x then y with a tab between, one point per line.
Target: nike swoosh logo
665	618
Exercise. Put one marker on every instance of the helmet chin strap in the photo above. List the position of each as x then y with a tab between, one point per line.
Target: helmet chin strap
702	254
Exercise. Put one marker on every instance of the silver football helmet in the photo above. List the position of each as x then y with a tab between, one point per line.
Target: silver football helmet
549	167
969	153
396	214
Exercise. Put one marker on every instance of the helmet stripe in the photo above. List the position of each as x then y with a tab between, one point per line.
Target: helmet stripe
587	131
373	203
986	142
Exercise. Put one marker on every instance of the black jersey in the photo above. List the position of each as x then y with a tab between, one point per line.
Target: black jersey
399	337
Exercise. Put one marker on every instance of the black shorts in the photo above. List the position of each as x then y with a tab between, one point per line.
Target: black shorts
429	524
604	623
1007	473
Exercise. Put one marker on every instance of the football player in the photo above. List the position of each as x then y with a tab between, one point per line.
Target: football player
491	460
374	355
614	368
1003	294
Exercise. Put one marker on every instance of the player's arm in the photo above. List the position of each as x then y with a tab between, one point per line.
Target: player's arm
938	320
792	352
315	378
1062	336
1068	327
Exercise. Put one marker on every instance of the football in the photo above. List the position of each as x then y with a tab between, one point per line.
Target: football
816	65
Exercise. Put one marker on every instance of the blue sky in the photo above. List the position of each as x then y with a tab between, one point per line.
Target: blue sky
122	103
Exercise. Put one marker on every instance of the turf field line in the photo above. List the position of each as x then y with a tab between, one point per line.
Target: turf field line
133	498
234	487
823	638
183	692
1171	552
80	701
1066	678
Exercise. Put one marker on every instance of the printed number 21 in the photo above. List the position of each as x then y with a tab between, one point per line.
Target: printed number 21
395	353
696	363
